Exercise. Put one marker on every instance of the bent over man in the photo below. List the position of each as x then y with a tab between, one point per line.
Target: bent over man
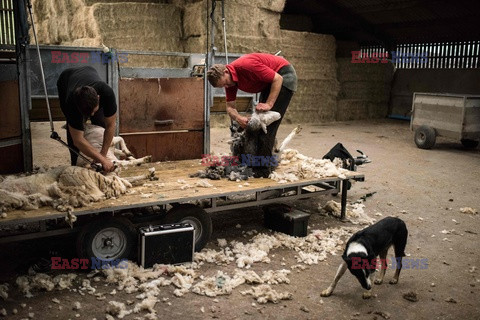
84	95
273	76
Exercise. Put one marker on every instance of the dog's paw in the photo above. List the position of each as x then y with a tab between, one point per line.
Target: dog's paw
326	293
378	281
393	281
367	295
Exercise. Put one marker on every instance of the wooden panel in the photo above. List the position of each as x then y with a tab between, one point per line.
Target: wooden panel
13	163
10	122
39	110
143	101
166	146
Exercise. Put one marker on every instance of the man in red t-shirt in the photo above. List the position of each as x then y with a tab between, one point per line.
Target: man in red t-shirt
273	76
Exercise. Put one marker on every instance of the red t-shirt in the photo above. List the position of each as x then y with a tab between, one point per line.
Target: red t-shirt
253	72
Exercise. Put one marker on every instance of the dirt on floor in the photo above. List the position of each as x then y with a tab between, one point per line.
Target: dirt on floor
425	188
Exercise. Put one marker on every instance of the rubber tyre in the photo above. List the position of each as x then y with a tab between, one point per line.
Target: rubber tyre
425	137
469	144
120	230
197	217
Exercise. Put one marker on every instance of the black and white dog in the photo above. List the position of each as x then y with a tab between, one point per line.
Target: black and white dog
362	249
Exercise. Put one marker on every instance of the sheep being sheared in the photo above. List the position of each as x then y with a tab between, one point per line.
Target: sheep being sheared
59	187
244	141
94	135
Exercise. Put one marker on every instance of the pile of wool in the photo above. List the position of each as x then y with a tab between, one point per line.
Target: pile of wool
310	249
354	212
221	257
118	309
220	284
182	282
264	293
4	291
60	187
223	284
256	251
237	172
42	281
128	278
468	210
295	166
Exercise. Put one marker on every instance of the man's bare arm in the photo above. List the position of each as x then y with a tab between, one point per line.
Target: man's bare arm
234	115
110	125
274	92
87	149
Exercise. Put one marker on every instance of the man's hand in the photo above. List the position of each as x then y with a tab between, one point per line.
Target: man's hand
242	121
263	107
107	165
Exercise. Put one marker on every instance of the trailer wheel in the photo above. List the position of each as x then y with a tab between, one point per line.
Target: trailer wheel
425	137
469	144
197	217
109	239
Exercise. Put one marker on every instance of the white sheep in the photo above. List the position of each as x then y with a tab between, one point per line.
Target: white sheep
61	187
94	135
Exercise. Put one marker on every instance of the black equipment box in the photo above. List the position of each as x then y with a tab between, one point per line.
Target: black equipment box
166	244
282	218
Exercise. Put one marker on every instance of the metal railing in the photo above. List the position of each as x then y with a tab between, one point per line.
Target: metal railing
434	55
7	25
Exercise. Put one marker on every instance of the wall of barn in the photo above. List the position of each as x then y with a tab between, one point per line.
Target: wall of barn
330	88
364	87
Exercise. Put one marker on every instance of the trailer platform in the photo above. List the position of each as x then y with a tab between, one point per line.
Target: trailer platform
174	197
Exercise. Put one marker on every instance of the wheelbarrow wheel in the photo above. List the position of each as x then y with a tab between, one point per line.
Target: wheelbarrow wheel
469	144
425	137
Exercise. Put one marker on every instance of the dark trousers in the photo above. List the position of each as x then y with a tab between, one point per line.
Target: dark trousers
266	142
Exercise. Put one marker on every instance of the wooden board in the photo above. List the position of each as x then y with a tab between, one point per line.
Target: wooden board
144	101
10	125
166	190
166	146
11	159
39	110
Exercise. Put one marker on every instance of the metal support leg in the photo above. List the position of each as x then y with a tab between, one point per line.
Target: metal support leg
343	208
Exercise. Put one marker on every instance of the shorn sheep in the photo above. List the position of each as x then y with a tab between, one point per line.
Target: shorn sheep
68	187
94	135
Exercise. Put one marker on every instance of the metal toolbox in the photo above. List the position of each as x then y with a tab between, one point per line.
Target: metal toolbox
166	244
282	218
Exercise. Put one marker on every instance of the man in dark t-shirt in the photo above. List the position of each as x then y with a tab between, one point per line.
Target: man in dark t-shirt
84	95
276	80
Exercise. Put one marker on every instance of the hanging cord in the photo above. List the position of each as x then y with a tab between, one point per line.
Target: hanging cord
29	5
54	135
224	31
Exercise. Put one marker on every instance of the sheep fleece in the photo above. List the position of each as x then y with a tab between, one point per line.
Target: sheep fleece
58	187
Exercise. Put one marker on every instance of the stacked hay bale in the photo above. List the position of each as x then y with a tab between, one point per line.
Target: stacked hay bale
364	89
141	26
313	56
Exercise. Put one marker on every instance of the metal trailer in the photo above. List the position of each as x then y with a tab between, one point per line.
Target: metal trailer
108	229
454	116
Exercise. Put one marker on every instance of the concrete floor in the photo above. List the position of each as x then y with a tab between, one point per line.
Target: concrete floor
426	188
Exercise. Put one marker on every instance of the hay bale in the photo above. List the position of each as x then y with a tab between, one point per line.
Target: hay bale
152	27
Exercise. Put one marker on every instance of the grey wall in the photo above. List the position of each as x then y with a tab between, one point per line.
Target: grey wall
408	81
